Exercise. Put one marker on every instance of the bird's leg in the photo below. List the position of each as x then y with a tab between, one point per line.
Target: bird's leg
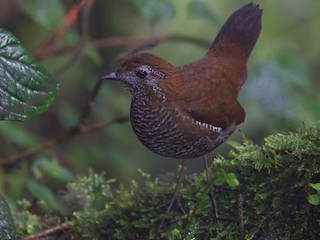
176	195
211	188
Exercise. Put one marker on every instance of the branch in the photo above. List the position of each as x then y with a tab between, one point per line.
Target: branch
59	228
150	41
72	16
6	162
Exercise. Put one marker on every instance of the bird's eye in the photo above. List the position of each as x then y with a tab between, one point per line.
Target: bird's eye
141	74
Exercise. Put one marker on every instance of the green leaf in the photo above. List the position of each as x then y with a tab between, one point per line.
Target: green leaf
49	14
232	180
176	233
6	221
204	200
44	195
219	177
17	134
44	167
234	144
24	88
315	186
314	199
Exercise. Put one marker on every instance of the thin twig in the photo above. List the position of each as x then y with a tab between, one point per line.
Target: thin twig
70	18
45	233
131	42
82	13
88	105
103	124
151	40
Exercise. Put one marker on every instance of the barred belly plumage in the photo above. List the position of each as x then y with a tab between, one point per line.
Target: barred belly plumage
157	128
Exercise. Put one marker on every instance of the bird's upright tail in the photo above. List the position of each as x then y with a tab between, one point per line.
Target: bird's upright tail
241	29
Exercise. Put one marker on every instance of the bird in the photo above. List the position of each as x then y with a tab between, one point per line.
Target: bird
187	111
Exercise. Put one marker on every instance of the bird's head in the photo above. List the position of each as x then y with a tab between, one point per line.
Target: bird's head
144	72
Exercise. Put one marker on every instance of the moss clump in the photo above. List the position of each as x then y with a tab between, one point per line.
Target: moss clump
262	193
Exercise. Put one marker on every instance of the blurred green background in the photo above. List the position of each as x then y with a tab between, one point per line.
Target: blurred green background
281	93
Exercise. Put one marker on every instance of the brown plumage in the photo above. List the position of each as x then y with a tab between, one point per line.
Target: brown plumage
188	111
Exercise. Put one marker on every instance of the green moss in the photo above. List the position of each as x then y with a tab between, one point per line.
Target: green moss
262	192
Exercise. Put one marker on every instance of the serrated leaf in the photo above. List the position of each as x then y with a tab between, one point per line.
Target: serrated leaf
6	221
24	88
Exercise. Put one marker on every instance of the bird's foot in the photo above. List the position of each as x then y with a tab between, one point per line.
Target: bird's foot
176	198
169	204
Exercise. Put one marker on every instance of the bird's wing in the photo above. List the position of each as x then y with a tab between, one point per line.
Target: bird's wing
209	93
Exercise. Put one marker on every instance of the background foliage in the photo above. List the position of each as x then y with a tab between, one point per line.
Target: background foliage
281	92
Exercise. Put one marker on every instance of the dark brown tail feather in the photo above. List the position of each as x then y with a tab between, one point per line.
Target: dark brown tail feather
243	27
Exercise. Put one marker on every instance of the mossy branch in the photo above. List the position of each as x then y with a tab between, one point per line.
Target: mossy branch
269	201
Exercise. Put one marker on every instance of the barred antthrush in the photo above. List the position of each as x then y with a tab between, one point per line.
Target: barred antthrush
187	111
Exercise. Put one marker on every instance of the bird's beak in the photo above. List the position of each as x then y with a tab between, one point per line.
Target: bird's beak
111	76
